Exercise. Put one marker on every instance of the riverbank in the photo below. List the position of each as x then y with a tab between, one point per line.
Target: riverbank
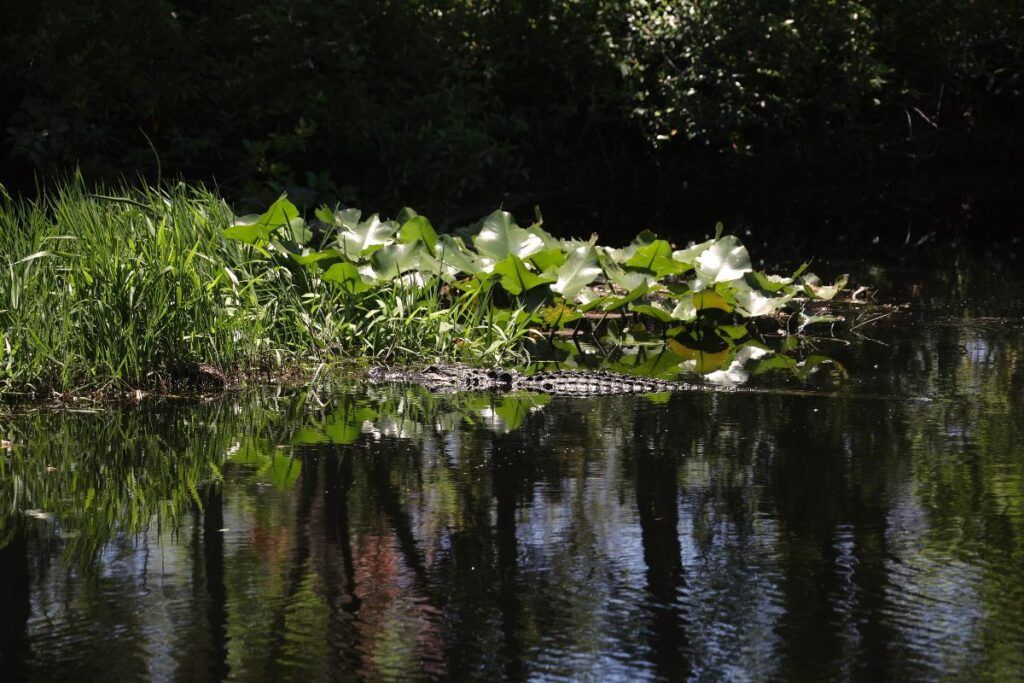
134	289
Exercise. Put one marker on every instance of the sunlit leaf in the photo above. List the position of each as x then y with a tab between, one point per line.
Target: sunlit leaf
315	257
653	309
451	252
727	259
500	237
622	278
752	303
253	229
392	260
325	215
699	360
548	259
629	297
419	228
708	298
774	362
347	277
685	310
550	242
690	254
358	240
516	277
298	231
815	290
656	257
732	332
347	219
768	283
579	270
807	320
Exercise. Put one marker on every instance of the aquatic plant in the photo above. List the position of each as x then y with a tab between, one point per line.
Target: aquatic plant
120	289
527	275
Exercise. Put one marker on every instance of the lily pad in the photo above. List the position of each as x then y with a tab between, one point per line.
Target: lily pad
419	228
727	259
254	229
359	240
579	270
500	237
516	277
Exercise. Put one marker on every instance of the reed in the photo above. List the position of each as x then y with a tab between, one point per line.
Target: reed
111	289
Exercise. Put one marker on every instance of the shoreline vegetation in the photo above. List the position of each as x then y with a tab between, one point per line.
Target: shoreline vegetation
139	289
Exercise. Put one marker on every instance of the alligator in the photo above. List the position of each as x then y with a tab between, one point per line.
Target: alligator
455	377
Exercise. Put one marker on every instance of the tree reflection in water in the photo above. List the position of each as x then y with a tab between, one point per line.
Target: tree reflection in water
395	533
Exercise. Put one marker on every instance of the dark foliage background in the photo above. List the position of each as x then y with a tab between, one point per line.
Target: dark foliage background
604	112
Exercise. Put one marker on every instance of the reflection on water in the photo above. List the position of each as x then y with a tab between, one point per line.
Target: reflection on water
874	532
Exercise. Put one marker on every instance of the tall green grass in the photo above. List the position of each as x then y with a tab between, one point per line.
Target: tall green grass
113	289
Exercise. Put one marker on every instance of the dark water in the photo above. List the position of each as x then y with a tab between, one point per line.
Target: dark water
874	530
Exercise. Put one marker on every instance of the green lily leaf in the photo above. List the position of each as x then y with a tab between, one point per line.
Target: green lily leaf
814	362
346	276
691	303
815	290
452	253
500	237
516	277
315	257
299	233
767	283
371	234
620	277
589	299
405	214
347	219
656	257
685	310
253	229
732	332
325	215
752	303
690	254
727	259
391	261
610	302
550	242
548	259
664	365
700	360
419	228
773	362
579	270
653	309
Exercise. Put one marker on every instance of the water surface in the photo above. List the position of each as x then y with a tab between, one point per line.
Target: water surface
872	529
